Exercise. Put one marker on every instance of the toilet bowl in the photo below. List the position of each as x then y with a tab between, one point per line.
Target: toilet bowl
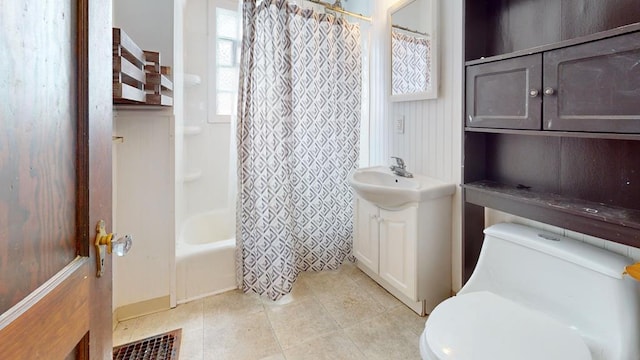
537	295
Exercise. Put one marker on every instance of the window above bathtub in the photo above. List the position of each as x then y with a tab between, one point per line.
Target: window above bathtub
224	39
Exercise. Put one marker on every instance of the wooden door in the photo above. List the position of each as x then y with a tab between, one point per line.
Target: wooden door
55	178
594	86
505	94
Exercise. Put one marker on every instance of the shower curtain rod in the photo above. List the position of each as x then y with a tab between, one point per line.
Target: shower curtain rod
409	30
340	10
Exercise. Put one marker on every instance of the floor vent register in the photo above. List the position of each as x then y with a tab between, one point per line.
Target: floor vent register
159	347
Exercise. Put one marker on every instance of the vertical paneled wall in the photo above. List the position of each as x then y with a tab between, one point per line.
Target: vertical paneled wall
144	205
431	142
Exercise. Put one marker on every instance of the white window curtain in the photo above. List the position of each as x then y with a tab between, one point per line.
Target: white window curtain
410	65
298	139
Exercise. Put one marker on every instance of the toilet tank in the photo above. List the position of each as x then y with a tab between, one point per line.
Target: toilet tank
578	284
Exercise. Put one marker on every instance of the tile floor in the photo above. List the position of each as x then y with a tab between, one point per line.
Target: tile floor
340	314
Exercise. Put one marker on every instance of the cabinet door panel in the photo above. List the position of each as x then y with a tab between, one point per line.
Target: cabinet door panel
365	241
398	249
596	86
498	93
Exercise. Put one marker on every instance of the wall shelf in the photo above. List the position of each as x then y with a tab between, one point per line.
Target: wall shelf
138	77
566	134
570	213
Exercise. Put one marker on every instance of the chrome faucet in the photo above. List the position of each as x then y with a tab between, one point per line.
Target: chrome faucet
400	168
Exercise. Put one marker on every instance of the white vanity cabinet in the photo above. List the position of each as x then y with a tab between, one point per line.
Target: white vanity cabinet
407	250
398	248
365	242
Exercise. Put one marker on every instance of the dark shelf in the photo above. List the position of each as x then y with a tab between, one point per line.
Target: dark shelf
571	134
605	221
595	33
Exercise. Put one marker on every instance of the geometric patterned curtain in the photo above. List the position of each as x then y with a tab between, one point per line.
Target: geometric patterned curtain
411	63
298	138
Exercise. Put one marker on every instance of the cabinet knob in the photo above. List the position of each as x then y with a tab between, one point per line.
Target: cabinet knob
533	93
549	91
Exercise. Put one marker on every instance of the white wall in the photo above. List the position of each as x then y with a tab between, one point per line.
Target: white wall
145	164
149	23
431	143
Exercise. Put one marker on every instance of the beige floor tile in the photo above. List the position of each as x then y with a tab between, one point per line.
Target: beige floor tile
150	325
333	346
405	318
347	267
185	316
275	357
123	332
230	303
298	322
340	314
348	306
322	282
383	338
188	316
357	274
378	293
191	345
300	292
246	336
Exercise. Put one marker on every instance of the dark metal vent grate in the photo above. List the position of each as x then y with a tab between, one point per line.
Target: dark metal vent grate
159	347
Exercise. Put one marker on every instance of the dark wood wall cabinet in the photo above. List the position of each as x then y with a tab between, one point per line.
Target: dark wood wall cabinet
552	131
593	86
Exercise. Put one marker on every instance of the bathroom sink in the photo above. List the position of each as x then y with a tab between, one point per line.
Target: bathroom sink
380	186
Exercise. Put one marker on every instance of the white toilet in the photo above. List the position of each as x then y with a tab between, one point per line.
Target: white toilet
535	295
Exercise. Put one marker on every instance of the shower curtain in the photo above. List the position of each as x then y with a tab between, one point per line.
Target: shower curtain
298	139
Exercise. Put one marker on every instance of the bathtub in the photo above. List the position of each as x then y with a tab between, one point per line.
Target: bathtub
205	259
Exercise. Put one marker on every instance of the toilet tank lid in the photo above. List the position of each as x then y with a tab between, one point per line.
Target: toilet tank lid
574	251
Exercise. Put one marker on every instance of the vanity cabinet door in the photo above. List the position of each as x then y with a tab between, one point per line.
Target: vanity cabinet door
365	241
505	94
398	249
594	87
